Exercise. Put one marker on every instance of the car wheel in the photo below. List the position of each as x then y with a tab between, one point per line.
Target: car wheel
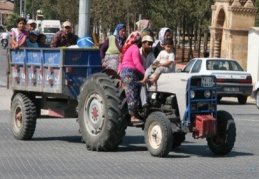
242	99
257	99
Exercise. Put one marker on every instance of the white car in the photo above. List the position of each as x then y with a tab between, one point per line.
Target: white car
256	94
232	80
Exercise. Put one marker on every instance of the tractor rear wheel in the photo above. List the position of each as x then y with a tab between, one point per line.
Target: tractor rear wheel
102	113
223	142
158	134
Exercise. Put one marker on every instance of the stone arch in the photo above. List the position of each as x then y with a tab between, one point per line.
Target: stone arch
221	18
231	21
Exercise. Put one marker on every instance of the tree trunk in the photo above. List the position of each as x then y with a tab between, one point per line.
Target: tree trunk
183	39
199	39
190	38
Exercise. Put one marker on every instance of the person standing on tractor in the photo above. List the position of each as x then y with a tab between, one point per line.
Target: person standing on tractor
164	34
148	57
111	48
164	63
131	70
64	37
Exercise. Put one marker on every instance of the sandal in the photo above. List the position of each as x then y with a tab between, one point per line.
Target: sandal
135	121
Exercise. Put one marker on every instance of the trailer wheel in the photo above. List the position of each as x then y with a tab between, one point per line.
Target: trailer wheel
242	99
223	142
158	134
23	116
102	113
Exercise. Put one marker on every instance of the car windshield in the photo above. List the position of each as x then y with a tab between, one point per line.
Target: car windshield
225	65
51	30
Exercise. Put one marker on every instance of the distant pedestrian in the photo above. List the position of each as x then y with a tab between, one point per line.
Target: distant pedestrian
64	37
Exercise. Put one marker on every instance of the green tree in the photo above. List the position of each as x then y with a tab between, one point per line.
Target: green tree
11	21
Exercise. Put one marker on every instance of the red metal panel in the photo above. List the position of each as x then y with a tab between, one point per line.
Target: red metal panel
205	126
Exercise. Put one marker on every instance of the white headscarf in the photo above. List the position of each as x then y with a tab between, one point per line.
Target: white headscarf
161	35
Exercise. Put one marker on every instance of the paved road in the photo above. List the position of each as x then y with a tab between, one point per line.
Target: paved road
56	151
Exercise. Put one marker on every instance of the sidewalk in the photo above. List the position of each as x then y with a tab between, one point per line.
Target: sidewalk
5	96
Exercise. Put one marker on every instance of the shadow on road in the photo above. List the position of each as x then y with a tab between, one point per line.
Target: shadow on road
225	102
73	139
204	151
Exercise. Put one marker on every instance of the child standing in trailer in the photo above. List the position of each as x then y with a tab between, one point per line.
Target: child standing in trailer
19	34
164	63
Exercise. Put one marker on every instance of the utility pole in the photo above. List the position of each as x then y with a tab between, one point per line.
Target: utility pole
84	18
22	8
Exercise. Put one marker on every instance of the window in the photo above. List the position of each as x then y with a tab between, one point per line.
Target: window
223	65
189	66
197	66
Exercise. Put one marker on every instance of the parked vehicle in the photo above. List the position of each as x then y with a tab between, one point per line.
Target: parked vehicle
232	80
256	94
68	82
50	26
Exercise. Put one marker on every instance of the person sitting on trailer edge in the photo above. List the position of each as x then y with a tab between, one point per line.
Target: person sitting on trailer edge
64	37
32	40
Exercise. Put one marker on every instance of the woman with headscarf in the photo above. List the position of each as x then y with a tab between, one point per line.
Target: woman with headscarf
131	70
111	48
164	33
144	28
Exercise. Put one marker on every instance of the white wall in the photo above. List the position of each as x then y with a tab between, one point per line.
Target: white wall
253	53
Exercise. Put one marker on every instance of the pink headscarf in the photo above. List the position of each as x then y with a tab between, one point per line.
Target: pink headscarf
143	24
132	38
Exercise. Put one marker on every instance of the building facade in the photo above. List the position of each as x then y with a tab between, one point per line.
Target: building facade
6	8
231	21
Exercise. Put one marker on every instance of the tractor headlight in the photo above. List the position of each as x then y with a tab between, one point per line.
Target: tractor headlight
192	94
207	93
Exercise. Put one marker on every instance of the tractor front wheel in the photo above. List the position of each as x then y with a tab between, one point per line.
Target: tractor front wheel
223	142
158	134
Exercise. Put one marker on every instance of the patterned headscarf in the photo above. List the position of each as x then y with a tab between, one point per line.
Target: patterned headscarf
132	38
161	35
143	24
116	34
